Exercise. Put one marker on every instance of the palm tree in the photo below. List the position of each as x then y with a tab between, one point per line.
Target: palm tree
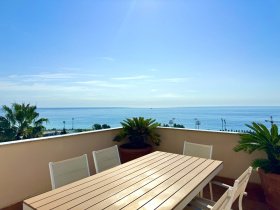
7	131
22	121
139	130
262	139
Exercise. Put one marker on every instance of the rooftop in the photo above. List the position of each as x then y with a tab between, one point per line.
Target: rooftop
24	171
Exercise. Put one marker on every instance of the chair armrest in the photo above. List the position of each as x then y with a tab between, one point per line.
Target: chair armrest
225	186
221	184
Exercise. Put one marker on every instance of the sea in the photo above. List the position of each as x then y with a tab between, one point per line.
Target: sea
204	118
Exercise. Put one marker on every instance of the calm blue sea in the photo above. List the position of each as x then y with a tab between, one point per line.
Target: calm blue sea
209	117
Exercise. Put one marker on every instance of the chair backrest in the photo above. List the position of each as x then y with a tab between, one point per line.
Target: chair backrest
106	158
242	182
226	201
67	171
198	150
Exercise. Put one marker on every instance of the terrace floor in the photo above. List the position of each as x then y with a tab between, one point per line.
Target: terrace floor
254	200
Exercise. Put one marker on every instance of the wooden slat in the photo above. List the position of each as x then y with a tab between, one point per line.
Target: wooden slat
197	189
76	197
106	173
83	189
190	180
170	185
187	187
105	200
113	189
142	190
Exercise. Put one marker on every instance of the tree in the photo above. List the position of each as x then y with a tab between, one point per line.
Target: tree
138	130
21	121
96	126
175	125
7	131
178	125
262	139
105	126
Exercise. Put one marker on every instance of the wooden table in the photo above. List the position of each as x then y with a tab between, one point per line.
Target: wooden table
159	180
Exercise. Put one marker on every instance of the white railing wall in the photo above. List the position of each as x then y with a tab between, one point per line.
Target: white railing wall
24	168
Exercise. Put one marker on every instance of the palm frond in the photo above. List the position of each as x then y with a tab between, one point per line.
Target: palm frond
139	126
262	139
25	120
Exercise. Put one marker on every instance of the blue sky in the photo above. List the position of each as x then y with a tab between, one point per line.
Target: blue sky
140	53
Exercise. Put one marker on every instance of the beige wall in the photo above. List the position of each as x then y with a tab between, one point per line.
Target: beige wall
234	162
24	168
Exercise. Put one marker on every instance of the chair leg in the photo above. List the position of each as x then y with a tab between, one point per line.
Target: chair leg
211	191
240	202
201	193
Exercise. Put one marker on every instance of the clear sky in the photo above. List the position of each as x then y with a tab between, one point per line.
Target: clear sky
140	53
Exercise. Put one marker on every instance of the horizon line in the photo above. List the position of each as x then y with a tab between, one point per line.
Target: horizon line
167	107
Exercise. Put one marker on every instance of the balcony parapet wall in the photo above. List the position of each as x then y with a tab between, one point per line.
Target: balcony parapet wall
24	164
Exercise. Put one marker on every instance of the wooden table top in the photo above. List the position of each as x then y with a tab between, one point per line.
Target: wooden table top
159	180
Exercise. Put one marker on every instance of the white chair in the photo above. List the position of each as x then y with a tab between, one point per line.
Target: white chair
226	201
106	158
68	171
198	150
201	151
